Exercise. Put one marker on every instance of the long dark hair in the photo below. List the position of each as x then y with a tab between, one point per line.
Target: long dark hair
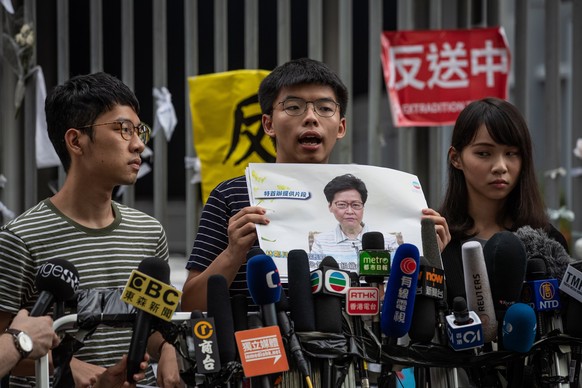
506	125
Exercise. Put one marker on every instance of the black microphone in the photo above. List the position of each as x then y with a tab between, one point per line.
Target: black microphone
374	265
301	306
328	306
220	309
505	259
423	325
240	310
158	269
292	341
265	286
56	280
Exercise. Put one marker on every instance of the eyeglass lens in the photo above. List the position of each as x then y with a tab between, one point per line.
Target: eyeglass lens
297	106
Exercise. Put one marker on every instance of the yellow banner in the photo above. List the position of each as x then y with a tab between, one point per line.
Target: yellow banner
151	295
226	121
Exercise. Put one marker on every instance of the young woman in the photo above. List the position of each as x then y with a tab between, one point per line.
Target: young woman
492	185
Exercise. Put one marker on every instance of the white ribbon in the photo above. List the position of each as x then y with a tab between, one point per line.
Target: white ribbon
578	149
7	5
165	116
194	164
46	155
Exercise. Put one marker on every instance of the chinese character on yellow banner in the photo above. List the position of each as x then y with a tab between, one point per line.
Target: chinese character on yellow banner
226	120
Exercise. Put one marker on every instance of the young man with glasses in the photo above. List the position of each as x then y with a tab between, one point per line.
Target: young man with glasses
346	195
304	105
94	126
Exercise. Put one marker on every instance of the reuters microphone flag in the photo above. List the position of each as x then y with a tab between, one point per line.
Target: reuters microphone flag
227	127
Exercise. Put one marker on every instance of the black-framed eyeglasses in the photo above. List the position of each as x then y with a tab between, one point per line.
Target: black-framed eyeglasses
324	107
344	205
127	129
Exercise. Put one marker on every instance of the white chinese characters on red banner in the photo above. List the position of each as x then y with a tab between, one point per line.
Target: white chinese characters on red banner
432	75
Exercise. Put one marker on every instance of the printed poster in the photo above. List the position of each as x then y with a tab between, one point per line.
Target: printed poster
293	195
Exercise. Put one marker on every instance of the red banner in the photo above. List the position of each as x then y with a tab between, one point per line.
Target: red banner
432	75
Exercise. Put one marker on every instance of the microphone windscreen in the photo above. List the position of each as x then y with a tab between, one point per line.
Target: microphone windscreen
372	240
478	288
254	251
423	324
240	310
519	328
263	280
400	294
535	269
156	268
430	246
300	297
219	308
328	261
58	277
505	259
537	243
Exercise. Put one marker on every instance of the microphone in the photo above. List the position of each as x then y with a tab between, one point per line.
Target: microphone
478	289
331	284
56	280
505	259
264	286
464	327
219	308
519	328
301	306
398	303
159	270
423	324
292	341
374	265
240	309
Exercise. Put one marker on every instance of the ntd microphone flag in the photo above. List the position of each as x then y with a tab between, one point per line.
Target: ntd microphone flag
151	295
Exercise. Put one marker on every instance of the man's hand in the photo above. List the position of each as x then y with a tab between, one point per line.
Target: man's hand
242	232
85	374
114	377
440	225
39	329
168	373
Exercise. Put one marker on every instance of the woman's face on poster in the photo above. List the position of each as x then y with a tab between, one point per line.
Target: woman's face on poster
347	208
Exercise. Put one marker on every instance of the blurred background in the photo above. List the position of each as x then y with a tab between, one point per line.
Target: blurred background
160	43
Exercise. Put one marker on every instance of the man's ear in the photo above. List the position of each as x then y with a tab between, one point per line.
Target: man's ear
454	158
72	140
268	125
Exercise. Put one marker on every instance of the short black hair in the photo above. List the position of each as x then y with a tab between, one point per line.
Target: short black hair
345	182
78	102
302	71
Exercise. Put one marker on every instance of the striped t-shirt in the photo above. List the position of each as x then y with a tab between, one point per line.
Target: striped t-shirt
103	257
227	199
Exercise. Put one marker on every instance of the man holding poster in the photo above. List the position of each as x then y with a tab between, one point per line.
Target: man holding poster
304	105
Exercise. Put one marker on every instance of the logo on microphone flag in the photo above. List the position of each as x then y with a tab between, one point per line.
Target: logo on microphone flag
337	282
408	266
261	351
151	295
316	281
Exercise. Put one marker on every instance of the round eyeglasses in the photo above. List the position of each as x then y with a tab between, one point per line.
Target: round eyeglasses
324	107
127	129
344	205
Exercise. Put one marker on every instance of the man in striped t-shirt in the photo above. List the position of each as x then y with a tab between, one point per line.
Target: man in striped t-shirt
94	126
304	105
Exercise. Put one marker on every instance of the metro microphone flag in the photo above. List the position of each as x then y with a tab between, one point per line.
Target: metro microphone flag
157	269
56	281
398	303
301	306
264	286
478	289
374	261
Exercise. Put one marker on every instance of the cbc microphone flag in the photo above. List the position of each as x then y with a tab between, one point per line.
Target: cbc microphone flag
227	127
302	218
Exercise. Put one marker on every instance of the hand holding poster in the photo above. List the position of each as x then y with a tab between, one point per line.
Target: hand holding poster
303	218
